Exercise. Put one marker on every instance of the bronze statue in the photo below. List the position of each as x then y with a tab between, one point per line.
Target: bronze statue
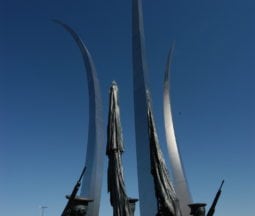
121	203
167	202
198	209
76	206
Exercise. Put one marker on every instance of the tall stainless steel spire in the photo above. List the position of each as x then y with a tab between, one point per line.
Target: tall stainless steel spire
147	198
92	181
180	183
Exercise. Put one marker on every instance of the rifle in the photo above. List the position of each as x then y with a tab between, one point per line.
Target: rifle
73	195
212	209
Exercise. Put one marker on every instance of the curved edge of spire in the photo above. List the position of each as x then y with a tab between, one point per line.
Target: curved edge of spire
92	182
88	61
168	65
180	182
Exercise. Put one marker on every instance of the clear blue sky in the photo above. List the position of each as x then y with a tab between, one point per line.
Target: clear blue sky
44	97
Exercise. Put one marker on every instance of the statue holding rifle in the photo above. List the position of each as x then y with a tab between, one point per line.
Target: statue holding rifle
76	206
198	209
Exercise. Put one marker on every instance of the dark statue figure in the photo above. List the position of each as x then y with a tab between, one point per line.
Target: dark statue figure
121	203
76	206
79	206
212	209
132	202
197	209
167	201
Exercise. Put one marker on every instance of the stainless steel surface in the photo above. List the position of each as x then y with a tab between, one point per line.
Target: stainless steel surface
92	181
179	180
147	199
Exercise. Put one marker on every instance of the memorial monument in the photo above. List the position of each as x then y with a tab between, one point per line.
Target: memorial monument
158	196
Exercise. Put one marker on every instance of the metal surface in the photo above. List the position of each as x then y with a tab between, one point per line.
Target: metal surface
168	204
145	181
116	186
92	182
179	180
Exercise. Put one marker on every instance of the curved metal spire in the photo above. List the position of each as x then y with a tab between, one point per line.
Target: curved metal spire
92	181
180	183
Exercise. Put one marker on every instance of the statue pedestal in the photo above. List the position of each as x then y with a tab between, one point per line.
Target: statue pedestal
79	206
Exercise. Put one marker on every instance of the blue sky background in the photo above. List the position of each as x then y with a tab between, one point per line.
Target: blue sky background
44	96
